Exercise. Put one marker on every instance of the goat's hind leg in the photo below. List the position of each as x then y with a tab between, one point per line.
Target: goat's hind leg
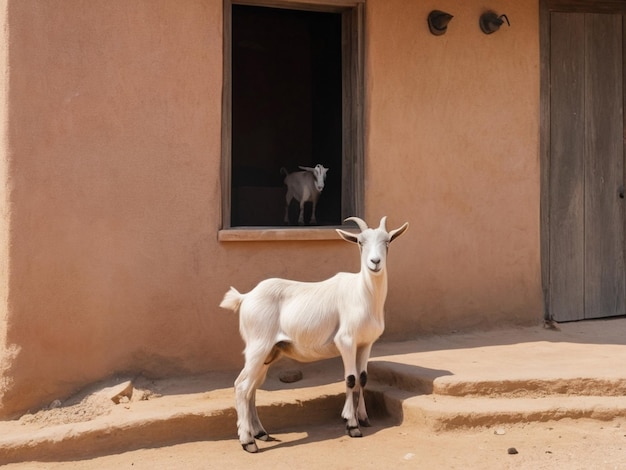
288	199
301	215
313	220
249	426
258	431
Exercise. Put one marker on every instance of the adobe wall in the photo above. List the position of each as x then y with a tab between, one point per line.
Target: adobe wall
114	138
5	356
115	118
453	145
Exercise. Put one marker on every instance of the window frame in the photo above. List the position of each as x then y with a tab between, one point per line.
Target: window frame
352	18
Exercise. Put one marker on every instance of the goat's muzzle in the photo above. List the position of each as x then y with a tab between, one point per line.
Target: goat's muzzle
374	265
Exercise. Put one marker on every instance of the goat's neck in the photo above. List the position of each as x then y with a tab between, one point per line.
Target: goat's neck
376	287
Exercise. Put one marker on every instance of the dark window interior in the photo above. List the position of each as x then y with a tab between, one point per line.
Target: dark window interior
286	111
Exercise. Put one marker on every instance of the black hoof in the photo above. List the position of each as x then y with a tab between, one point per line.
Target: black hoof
263	436
250	447
365	423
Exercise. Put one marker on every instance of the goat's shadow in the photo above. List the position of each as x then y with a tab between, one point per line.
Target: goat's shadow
321	433
319	417
412	379
314	374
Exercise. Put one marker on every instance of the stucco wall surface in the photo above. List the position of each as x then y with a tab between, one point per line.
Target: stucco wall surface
114	122
115	112
5	357
452	145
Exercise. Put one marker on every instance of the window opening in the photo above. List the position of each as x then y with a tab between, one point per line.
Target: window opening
287	100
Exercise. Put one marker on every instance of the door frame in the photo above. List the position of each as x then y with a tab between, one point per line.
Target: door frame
546	7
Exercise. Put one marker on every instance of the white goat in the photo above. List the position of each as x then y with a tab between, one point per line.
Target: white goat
304	186
309	321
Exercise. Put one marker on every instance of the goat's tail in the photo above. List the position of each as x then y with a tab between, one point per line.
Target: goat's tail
232	300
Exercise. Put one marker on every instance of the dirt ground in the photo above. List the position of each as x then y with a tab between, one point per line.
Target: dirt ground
571	444
592	350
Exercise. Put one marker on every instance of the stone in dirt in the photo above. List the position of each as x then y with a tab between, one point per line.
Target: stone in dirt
290	376
118	393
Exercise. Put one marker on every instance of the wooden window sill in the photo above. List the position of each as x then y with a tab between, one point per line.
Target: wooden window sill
268	234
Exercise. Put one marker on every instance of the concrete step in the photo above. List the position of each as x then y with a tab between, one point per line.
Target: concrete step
416	379
167	420
440	412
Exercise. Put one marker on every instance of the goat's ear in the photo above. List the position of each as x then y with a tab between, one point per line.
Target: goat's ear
348	236
397	232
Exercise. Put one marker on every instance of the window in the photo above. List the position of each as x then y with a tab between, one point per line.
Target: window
293	87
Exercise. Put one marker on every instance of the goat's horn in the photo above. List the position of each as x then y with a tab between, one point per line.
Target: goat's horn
360	222
383	223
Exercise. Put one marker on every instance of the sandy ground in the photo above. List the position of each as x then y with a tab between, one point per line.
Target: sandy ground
566	444
593	350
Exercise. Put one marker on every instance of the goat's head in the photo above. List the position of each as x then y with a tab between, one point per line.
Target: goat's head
373	243
319	173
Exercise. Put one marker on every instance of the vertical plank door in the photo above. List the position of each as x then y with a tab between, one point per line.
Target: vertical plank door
567	69
586	233
604	168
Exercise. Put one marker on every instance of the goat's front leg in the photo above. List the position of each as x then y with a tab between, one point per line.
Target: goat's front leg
362	356
347	349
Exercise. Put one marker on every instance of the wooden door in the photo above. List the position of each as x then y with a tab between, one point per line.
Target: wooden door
586	167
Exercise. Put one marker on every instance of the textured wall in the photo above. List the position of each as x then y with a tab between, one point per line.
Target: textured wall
455	119
5	353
